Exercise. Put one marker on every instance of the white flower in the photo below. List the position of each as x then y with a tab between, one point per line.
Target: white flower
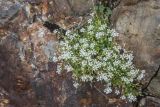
66	55
110	68
83	52
76	46
86	78
102	27
129	63
114	33
41	32
82	30
103	76
83	40
71	37
33	66
141	75
68	32
123	97
117	92
99	35
105	58
92	45
133	73
22	57
129	57
123	66
55	31
62	43
92	14
131	98
90	27
89	21
110	74
84	63
75	84
74	59
97	65
59	69
117	62
108	90
68	68
110	39
85	45
91	32
54	59
126	80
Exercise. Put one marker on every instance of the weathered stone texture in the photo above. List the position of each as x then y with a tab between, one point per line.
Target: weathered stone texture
138	22
27	76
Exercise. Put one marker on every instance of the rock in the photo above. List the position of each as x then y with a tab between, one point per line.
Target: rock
4	101
38	47
13	79
129	2
55	10
155	84
34	2
138	24
4	5
12	17
7	15
149	102
27	73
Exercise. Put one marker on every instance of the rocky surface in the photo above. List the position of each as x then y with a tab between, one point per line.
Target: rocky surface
27	75
56	10
138	23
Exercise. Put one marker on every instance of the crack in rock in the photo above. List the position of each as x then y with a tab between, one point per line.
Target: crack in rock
156	73
144	93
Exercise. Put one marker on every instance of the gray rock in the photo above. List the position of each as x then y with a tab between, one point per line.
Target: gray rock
56	10
69	7
7	15
138	24
154	86
149	101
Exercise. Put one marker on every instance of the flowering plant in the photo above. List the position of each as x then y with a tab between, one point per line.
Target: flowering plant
92	55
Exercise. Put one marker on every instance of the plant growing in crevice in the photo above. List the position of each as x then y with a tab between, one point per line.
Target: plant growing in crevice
92	55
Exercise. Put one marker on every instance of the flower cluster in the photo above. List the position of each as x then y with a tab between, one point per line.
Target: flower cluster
92	54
